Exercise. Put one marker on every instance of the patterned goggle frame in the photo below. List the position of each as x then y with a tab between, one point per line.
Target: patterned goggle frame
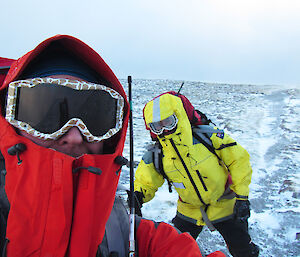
74	122
166	124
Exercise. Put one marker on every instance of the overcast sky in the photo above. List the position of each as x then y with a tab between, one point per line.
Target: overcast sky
230	41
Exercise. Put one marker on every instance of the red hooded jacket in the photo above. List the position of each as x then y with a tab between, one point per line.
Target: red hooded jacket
54	212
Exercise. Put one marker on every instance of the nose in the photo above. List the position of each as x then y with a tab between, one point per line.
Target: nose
72	137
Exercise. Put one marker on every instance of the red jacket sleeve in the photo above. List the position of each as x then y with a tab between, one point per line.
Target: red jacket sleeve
216	254
162	240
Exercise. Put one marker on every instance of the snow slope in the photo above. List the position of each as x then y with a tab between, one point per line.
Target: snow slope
263	119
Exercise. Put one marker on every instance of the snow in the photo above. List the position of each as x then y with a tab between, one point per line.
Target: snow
263	119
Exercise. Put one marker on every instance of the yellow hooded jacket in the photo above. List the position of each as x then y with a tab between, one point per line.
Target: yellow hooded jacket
195	165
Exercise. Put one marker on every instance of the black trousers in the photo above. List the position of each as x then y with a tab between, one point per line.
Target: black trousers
234	232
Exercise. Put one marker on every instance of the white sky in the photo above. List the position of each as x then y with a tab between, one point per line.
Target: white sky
231	41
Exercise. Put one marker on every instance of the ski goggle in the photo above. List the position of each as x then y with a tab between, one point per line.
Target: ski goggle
47	108
166	124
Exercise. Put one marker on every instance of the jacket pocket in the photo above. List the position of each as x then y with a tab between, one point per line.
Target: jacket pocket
201	179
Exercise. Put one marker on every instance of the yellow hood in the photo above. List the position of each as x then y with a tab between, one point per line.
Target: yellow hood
164	106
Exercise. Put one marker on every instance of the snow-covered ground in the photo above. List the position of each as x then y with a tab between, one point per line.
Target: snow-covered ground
263	119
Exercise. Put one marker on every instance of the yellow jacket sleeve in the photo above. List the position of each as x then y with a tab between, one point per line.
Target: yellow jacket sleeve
237	160
147	179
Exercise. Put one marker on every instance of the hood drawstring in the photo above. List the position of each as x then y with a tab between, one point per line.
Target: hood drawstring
123	161
19	148
119	160
16	150
91	169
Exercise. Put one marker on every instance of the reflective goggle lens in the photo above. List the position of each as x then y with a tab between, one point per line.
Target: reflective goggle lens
48	107
166	124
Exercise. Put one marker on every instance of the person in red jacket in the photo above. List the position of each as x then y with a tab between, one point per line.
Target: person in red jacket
63	125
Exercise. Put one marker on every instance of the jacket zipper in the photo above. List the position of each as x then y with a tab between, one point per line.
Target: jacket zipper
201	179
187	171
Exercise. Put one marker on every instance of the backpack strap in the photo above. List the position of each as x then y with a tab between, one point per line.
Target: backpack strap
4	207
4	203
222	146
2	162
157	155
203	133
116	237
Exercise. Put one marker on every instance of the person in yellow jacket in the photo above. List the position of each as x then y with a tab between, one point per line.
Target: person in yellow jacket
198	161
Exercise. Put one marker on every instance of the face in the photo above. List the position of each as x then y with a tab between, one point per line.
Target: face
72	143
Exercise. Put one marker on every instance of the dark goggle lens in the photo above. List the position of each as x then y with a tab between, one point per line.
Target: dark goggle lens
47	107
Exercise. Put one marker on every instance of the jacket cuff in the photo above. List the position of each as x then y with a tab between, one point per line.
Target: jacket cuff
241	197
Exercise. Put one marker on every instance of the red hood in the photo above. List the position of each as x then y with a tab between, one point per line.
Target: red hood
55	212
75	46
5	64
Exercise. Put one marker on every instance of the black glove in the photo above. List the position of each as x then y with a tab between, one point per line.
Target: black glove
138	202
242	210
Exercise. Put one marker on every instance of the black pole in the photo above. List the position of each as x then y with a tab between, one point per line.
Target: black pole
132	211
180	88
131	143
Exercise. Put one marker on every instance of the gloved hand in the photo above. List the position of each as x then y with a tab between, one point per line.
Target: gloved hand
138	202
242	210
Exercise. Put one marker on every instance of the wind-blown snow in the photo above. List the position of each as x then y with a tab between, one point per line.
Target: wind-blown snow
263	119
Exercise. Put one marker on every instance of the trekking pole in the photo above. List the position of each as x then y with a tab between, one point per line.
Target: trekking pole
132	211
